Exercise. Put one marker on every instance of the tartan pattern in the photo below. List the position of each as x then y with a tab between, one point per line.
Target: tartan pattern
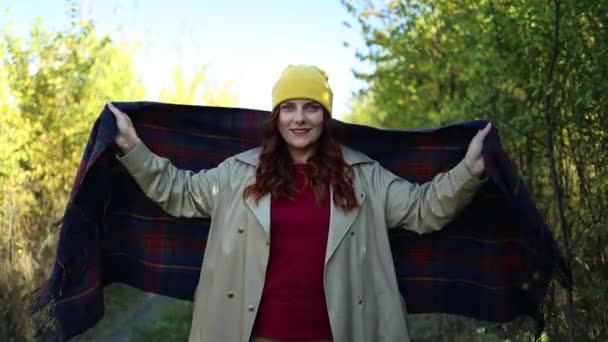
494	262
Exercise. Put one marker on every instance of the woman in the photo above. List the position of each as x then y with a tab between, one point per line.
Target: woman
298	248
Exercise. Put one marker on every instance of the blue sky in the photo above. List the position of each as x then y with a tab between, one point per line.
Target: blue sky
249	42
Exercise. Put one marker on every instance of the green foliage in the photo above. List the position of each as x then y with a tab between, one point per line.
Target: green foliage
538	70
197	90
53	85
56	83
13	323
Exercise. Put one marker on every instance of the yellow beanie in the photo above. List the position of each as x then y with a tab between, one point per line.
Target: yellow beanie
302	82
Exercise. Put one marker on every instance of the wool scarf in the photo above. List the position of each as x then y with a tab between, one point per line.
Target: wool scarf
495	262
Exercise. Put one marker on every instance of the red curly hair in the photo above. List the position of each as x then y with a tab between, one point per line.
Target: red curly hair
274	173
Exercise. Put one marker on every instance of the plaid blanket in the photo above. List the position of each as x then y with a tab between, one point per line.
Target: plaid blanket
495	262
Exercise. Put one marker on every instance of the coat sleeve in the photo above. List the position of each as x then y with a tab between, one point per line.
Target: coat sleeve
427	207
181	193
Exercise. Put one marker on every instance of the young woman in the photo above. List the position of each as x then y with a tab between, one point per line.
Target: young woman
298	248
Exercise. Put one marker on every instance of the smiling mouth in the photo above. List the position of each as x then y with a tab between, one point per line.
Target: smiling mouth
300	131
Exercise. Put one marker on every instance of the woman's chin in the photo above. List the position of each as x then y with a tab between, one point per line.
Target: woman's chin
298	143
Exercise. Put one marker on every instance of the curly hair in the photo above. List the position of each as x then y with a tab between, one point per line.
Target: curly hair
274	173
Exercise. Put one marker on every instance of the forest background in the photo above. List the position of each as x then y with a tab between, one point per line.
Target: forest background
537	69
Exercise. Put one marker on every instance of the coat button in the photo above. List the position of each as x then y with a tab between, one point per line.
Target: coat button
352	232
250	308
241	229
360	301
230	294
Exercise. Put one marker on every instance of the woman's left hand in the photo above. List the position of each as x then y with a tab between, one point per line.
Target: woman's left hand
473	159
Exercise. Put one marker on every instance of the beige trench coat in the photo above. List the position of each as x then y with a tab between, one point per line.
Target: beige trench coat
363	299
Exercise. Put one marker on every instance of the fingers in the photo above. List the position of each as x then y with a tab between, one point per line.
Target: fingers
113	109
119	114
482	133
486	129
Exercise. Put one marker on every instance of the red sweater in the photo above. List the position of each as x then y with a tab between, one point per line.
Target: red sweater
293	300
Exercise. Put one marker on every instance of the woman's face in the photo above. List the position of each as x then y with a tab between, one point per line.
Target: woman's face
300	124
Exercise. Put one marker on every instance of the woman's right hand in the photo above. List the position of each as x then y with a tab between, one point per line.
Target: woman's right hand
126	138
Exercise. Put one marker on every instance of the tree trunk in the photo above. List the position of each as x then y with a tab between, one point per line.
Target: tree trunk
557	190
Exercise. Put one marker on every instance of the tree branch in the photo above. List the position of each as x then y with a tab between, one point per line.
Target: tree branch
557	189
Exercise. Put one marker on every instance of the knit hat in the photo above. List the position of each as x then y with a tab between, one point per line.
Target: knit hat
302	82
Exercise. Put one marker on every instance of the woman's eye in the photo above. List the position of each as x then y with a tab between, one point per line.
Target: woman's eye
314	108
286	107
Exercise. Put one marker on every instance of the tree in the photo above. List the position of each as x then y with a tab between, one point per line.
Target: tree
539	71
53	85
197	90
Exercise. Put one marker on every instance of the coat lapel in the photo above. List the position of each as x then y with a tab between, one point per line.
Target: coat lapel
340	222
261	211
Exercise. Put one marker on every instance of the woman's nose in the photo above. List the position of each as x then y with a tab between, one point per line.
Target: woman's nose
299	117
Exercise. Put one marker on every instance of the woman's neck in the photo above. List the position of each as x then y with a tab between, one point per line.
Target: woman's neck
300	156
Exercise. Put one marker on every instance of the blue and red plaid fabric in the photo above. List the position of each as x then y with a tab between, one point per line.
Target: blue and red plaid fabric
494	262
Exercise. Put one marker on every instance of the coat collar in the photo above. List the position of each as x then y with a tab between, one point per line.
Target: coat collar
351	157
340	222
